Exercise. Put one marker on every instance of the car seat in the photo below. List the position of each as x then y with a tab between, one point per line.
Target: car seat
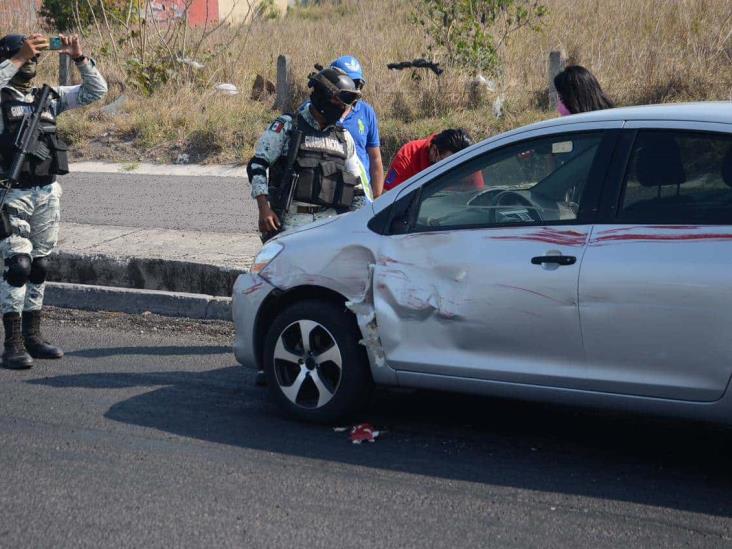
658	164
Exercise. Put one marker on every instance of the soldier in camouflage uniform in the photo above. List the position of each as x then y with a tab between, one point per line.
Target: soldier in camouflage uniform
333	93
32	206
331	178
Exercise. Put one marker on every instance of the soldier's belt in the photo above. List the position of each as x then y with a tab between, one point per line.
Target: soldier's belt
309	209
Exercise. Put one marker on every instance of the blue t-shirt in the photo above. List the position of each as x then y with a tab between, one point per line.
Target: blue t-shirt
361	123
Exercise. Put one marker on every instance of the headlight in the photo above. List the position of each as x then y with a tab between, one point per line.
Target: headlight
265	256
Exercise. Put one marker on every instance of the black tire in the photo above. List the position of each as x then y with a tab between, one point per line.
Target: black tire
349	385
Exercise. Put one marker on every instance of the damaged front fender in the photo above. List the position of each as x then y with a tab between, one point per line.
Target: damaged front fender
365	313
347	271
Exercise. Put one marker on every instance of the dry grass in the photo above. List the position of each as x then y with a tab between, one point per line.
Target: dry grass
642	51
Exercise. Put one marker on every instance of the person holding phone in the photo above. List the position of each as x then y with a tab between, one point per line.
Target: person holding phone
32	205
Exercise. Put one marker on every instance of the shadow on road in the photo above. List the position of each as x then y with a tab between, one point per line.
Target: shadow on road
163	350
619	457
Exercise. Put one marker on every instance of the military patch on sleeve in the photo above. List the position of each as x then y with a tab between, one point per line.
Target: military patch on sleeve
277	126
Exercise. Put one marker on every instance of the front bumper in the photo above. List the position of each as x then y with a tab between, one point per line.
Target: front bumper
250	291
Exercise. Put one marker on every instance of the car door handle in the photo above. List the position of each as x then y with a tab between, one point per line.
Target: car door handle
558	259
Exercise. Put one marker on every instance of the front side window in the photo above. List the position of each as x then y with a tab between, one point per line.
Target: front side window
533	182
678	177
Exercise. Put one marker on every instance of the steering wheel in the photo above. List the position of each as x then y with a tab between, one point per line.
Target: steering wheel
512	198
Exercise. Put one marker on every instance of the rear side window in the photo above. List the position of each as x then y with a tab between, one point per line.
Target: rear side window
678	178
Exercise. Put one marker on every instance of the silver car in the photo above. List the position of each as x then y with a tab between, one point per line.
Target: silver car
583	260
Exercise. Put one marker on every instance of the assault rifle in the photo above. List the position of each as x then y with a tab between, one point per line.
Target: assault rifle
281	196
26	142
416	64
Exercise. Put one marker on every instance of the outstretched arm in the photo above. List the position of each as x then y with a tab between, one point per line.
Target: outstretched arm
93	86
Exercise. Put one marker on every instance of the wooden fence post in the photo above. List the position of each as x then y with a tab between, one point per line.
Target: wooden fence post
64	70
557	60
284	83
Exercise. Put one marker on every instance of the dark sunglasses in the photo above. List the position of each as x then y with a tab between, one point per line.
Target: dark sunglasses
349	98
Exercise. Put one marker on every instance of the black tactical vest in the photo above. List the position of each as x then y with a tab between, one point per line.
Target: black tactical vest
321	166
49	157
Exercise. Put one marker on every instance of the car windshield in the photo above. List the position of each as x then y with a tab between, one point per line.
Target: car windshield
538	180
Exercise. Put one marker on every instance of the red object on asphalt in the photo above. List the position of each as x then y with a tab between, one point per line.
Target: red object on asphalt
363	432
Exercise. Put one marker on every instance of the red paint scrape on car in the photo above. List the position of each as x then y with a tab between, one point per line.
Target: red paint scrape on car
550	236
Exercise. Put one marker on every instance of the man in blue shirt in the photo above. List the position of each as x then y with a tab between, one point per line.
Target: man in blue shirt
363	126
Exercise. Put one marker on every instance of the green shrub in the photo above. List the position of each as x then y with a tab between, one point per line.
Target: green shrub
470	34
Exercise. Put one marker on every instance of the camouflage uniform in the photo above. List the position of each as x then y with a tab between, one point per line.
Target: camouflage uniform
273	144
35	211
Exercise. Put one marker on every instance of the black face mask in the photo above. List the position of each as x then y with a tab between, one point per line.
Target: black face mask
330	111
22	78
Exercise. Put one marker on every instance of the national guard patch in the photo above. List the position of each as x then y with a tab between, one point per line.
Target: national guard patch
277	126
19	111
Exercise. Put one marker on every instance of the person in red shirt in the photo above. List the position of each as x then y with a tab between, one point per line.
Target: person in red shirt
417	155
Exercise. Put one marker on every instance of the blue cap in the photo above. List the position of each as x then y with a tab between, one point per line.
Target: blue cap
350	66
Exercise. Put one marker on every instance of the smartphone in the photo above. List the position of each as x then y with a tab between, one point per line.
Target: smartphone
54	43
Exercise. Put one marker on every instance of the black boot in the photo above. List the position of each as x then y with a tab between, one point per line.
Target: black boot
14	355
34	342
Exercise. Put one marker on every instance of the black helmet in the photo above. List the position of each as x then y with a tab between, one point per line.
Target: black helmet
10	45
334	82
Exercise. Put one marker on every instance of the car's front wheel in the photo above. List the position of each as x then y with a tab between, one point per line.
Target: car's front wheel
316	369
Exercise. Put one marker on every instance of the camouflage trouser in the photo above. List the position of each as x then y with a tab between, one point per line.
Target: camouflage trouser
294	220
34	214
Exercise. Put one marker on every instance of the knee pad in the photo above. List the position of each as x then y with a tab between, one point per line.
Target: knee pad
17	269
39	269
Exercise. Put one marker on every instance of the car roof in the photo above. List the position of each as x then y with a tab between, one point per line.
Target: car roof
709	111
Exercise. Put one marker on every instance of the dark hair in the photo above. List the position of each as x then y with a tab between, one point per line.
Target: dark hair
453	140
580	91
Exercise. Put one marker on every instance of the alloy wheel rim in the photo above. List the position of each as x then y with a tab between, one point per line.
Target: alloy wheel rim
308	365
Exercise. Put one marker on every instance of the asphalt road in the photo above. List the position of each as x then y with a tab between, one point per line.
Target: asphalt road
211	204
148	434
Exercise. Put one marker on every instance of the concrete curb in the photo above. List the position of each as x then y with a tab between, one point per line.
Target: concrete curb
194	262
136	301
140	273
144	168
